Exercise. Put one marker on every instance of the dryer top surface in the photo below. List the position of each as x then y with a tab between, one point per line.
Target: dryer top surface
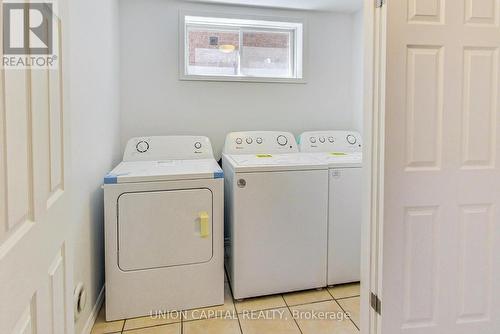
164	170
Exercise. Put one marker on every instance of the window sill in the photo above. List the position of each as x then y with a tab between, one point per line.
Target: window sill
241	79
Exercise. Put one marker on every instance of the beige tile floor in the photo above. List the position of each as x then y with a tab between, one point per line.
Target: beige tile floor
278	314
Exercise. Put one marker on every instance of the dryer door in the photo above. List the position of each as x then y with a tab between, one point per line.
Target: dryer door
164	228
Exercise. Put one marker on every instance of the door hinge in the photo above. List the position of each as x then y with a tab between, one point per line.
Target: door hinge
379	3
376	303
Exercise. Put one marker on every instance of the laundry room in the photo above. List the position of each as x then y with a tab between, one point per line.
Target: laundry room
208	155
274	94
249	166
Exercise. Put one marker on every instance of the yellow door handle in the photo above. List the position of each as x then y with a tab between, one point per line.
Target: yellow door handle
204	224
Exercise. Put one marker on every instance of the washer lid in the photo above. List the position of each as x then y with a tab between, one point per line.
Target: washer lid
164	170
274	162
339	159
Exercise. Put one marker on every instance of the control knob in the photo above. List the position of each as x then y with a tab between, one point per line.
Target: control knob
142	146
282	140
351	139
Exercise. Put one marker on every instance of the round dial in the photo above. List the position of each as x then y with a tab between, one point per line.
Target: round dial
259	140
351	139
197	145
330	139
312	139
142	146
239	141
249	140
321	139
282	140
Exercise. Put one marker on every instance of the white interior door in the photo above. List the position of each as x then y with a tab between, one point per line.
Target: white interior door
35	256
441	239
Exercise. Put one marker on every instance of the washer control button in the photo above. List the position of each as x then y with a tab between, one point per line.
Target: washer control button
197	145
282	140
312	139
142	146
351	139
331	140
239	141
249	140
322	139
258	140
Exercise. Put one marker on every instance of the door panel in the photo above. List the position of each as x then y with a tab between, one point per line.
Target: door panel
482	12
441	237
424	106
425	11
479	109
35	271
164	228
18	134
56	138
475	267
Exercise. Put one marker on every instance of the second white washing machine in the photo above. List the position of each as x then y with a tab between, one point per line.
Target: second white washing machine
276	214
342	151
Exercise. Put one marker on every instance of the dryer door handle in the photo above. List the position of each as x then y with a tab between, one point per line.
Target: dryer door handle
204	224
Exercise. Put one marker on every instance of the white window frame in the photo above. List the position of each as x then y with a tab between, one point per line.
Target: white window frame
251	23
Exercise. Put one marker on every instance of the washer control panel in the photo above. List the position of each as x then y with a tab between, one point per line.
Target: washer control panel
255	142
168	148
330	141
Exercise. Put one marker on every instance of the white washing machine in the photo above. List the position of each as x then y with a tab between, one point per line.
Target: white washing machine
164	228
276	214
342	151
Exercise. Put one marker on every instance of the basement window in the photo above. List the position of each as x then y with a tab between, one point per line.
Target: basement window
235	49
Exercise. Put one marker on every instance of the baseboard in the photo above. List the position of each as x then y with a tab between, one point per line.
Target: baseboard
94	313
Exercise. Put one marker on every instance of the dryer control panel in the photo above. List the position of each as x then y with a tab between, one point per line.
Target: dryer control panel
330	141
257	142
168	148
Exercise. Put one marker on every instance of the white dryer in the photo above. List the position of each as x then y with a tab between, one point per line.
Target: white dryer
342	151
164	228
276	214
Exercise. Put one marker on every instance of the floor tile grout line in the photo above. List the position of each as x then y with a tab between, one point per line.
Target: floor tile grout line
289	310
234	302
182	325
140	328
342	298
265	308
336	301
331	294
315	302
350	318
123	326
277	307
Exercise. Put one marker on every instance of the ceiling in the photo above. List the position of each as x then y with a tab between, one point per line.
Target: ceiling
322	5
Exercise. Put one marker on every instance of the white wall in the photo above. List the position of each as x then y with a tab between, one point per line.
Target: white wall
94	103
155	102
357	69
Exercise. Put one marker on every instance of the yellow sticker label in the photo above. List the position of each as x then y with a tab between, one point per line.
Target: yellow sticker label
338	153
264	156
